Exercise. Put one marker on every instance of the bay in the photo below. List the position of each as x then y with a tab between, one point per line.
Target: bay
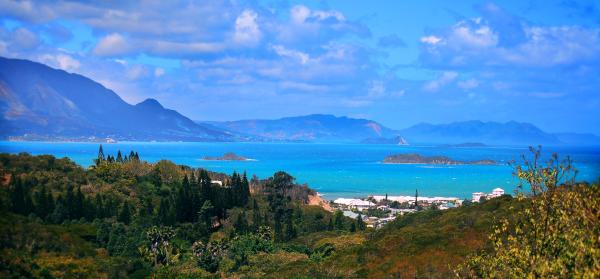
337	170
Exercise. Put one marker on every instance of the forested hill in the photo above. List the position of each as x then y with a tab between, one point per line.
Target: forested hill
108	219
126	218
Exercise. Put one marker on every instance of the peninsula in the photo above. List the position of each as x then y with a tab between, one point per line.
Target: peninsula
435	160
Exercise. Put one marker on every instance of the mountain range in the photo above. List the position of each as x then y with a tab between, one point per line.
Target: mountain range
39	102
315	127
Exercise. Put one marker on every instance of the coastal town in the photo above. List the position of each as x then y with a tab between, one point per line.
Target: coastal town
376	210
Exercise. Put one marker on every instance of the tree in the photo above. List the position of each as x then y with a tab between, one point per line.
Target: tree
338	220
208	255
554	234
159	249
360	224
290	229
125	214
205	214
166	212
119	157
240	224
276	188
100	159
69	202
17	196
416	199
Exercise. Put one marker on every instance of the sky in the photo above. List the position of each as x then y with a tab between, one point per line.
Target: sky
397	62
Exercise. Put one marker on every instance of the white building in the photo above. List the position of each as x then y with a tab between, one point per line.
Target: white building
477	196
411	199
354	203
495	193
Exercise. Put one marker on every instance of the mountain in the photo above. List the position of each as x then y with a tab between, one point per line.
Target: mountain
315	128
509	133
38	100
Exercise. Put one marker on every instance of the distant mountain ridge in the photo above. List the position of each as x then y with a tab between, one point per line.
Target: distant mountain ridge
39	100
495	133
314	127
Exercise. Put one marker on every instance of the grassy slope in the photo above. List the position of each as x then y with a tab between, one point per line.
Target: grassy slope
427	244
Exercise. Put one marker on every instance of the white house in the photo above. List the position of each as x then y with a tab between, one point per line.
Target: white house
477	196
497	193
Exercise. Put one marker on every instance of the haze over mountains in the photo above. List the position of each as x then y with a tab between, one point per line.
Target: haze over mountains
39	102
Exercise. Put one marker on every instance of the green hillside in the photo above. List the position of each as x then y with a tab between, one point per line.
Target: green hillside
127	218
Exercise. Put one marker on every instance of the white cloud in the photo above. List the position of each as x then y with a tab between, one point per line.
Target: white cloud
464	35
477	42
444	79
302	57
247	30
112	45
432	40
300	14
61	61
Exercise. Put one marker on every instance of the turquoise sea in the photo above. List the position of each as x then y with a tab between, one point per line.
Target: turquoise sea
337	170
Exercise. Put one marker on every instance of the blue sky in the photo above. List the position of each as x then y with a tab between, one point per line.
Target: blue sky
397	62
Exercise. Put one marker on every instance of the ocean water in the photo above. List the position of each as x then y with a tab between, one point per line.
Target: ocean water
337	170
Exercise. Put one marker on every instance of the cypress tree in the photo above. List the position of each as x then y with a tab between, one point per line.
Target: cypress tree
166	212
338	220
79	206
245	189
41	208
119	157
17	196
70	203
99	205
125	214
256	219
29	207
205	186
416	199
101	157
49	204
360	224
241	224
61	212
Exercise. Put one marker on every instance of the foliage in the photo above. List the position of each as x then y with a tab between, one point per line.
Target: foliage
555	235
159	249
208	255
129	218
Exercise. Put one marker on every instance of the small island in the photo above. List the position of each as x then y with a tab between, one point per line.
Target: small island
229	156
433	160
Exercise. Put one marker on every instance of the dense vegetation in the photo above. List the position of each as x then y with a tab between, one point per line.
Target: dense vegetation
124	217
